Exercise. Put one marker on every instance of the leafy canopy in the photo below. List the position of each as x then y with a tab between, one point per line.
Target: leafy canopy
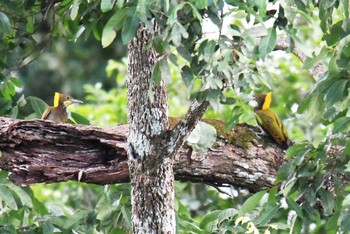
240	55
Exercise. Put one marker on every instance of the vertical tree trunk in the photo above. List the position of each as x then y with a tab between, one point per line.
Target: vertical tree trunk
151	167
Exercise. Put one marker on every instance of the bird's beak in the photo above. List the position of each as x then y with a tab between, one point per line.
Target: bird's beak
71	101
76	101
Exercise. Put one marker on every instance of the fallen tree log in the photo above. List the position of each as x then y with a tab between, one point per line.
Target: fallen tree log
37	151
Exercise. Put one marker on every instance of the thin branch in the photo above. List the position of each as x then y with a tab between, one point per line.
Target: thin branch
187	123
317	71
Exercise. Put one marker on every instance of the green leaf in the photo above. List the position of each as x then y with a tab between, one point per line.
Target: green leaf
160	45
21	194
5	25
48	227
38	105
183	212
14	112
283	172
161	71
16	82
209	219
294	206
202	137
142	7
191	227
336	91
227	214
6	196
131	24
39	206
294	150
311	62
327	201
312	104
183	51
75	219
126	216
251	203
108	36
5	93
10	88
201	4
267	43
79	119
209	50
346	201
175	35
299	158
106	5
75	9
187	75
114	24
268	213
157	74
177	32
341	125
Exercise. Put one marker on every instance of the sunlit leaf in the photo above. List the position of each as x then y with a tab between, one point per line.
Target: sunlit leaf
251	203
21	194
267	43
75	9
106	5
209	220
7	197
202	137
342	125
114	24
5	26
227	214
16	82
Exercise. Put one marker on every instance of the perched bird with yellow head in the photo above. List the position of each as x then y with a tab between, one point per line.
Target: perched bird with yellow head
269	121
58	112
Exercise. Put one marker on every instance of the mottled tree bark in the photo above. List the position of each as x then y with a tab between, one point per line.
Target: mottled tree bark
151	168
151	144
37	151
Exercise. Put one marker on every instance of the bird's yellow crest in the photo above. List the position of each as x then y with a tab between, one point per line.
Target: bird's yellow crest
56	99
267	101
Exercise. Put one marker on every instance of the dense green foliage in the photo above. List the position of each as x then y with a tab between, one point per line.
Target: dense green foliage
48	46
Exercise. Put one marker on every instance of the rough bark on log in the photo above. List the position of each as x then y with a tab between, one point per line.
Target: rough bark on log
38	151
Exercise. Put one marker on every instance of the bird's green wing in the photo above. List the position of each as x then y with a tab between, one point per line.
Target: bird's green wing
272	125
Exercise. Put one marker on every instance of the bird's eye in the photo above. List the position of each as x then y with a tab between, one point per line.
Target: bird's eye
67	98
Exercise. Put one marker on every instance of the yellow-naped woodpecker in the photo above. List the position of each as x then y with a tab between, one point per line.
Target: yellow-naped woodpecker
58	112
269	121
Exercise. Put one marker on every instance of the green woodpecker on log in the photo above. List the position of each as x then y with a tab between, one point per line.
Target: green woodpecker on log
269	121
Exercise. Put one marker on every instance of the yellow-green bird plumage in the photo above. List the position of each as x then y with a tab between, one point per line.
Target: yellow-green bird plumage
58	112
269	121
